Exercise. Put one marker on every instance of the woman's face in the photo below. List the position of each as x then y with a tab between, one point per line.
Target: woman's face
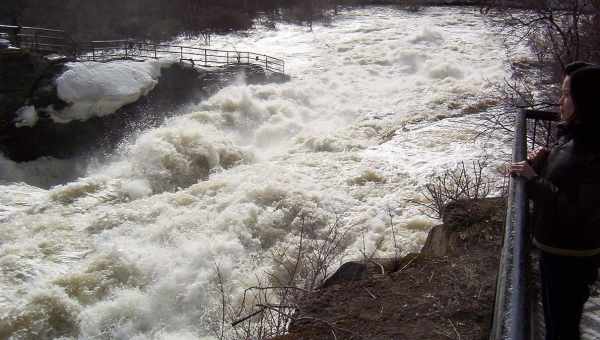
567	109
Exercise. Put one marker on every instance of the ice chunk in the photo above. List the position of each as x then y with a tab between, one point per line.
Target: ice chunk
99	89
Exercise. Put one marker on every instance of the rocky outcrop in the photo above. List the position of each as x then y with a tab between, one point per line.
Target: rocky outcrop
462	220
28	79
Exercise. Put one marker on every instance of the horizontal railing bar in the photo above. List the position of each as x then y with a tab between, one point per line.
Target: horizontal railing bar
31	28
179	47
45	45
39	36
542	115
109	41
40	43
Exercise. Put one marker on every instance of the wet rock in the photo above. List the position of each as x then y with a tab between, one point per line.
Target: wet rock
349	271
438	241
30	80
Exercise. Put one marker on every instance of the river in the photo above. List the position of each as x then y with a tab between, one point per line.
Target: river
133	248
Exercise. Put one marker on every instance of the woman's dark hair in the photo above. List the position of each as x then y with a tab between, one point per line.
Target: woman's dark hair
574	66
585	83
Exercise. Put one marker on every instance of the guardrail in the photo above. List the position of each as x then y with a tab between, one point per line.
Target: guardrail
512	311
38	39
102	50
46	40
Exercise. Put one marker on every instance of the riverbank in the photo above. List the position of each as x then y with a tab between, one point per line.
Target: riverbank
444	292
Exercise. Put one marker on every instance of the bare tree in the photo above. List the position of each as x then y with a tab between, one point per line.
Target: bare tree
556	33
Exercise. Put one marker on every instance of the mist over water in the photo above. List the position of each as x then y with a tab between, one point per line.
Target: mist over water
128	250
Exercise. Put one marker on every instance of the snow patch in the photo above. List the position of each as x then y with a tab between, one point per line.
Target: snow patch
99	89
26	116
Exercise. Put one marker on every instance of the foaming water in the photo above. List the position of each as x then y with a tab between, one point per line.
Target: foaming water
129	250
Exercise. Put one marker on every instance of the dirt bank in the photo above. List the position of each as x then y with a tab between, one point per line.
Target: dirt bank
445	292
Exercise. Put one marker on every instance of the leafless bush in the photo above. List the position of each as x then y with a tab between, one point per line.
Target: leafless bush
266	309
455	184
513	94
392	226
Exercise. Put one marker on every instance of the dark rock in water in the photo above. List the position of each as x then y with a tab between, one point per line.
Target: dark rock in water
30	80
25	79
349	271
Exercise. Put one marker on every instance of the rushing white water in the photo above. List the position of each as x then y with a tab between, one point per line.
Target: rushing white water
129	250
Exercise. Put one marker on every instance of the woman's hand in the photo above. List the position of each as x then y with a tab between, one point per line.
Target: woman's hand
522	169
538	155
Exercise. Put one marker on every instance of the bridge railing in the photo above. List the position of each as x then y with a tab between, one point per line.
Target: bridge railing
35	38
512	311
102	50
46	40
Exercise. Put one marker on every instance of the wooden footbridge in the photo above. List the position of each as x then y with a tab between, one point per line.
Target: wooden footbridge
46	41
518	313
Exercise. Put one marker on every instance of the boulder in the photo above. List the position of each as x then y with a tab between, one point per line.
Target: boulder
463	220
349	271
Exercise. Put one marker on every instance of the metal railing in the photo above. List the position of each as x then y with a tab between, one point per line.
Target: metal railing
512	311
103	50
43	40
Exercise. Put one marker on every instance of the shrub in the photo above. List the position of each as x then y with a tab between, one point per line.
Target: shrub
452	185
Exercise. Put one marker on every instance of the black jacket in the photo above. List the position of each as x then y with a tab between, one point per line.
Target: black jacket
566	197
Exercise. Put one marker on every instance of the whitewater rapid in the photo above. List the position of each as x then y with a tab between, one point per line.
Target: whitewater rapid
377	102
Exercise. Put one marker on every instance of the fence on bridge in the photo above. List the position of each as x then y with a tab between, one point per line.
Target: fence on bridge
46	41
43	40
118	49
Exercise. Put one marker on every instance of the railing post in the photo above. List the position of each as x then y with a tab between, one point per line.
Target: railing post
266	63
520	307
181	51
205	59
227	57
126	51
93	52
535	124
511	311
155	52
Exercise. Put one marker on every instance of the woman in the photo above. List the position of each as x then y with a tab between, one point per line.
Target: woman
564	184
